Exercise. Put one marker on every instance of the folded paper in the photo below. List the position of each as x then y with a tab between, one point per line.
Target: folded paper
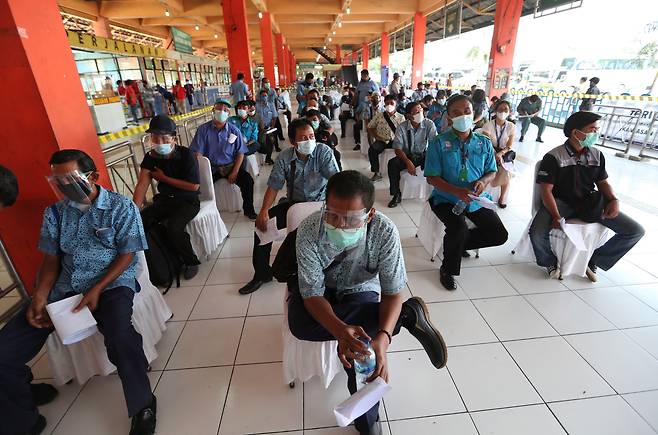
360	402
71	327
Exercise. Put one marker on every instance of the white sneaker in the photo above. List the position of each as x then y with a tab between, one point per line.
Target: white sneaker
591	273
553	272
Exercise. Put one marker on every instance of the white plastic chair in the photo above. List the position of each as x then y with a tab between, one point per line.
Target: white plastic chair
251	165
384	157
571	260
304	359
431	232
207	230
414	186
227	196
88	357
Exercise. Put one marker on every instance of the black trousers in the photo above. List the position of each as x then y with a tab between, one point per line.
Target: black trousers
260	257
175	213
395	168
488	231
20	342
279	128
246	185
360	309
344	117
376	148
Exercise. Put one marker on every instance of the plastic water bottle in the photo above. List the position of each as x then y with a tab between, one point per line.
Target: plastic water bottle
459	208
366	367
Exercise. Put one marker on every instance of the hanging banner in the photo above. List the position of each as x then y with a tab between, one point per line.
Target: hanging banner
97	43
182	41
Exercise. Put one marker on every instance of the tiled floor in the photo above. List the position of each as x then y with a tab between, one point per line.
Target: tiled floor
527	355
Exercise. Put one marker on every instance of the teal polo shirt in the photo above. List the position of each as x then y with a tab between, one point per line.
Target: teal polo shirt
444	159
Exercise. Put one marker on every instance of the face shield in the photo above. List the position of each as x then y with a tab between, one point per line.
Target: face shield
74	186
343	230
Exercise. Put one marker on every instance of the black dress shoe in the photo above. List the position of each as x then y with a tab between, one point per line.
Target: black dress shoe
190	272
447	280
251	215
417	320
539	140
357	147
521	139
269	161
43	393
395	201
466	254
39	426
375	429
253	285
143	423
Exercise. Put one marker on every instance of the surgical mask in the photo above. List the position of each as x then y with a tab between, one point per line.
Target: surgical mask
590	139
221	116
343	238
163	148
306	146
462	123
441	101
418	117
266	85
242	113
315	124
252	112
390	108
502	115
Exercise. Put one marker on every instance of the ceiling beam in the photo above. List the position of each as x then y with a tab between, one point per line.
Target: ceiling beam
309	7
174	21
81	7
370	18
305	19
378	7
131	9
201	7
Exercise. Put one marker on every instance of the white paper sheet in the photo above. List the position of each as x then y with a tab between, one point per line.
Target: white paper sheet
414	180
273	234
270	131
483	201
345	107
71	327
360	402
573	233
509	167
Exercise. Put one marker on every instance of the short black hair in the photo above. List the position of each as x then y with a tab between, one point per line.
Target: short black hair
456	98
595	80
308	76
348	184
579	120
295	125
240	76
241	103
396	75
440	93
313	90
427	98
312	112
390	97
500	102
250	103
8	187
479	95
365	72
85	163
410	106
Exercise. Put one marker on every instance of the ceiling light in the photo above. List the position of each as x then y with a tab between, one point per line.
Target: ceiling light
347	11
253	52
330	38
340	24
216	36
333	33
324	47
260	15
196	27
167	12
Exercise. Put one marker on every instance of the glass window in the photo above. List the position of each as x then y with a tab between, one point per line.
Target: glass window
86	66
128	63
148	63
165	64
158	64
160	78
131	74
107	64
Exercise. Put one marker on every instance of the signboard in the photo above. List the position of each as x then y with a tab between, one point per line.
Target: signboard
182	41
97	43
453	20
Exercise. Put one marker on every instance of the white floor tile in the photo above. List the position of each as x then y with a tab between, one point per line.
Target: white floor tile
646	404
487	377
218	301
600	416
417	258
237	247
400	219
626	273
268	299
191	401
181	300
206	343
484	282
534	419
166	344
620	307
460	323
574	282
624	364
262	340
428	392
408	237
457	424
425	284
529	278
645	262
567	313
647	293
261	387
513	318
200	279
404	341
242	229
231	271
320	402
556	370
645	337
55	410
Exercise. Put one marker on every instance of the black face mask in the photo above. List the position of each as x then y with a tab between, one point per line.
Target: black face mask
73	193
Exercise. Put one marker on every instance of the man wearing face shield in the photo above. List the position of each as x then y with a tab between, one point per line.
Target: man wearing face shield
176	170
568	175
461	163
410	144
88	239
382	129
348	285
304	169
221	142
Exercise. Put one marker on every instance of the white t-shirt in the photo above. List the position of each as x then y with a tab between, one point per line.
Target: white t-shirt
495	132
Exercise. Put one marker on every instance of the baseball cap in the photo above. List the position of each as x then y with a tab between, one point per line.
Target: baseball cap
222	101
162	124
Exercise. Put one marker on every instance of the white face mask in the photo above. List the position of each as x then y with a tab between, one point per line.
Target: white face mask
242	113
390	108
502	115
418	117
306	146
441	101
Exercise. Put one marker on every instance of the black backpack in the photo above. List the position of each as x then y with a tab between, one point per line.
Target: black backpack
164	264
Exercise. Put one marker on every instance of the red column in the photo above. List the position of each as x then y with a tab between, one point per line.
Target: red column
365	54
237	40
355	57
503	41
420	24
293	67
52	115
280	58
338	56
385	48
266	46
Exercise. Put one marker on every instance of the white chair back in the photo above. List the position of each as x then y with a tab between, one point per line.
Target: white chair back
207	189
300	211
536	191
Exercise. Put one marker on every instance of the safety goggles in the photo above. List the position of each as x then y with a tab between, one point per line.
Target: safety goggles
74	186
351	220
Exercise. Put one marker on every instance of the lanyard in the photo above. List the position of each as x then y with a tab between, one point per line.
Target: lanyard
499	136
463	173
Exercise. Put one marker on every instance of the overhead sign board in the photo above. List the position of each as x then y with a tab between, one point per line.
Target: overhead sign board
97	43
182	41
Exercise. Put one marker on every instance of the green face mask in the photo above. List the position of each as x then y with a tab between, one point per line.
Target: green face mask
590	139
342	239
315	124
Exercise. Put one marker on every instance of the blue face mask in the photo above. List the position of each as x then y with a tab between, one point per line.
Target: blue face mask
462	123
343	239
221	116
315	124
163	148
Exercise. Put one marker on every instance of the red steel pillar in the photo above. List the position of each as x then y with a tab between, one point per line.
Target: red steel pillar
385	57
338	56
503	41
266	46
420	24
51	114
280	58
237	40
365	54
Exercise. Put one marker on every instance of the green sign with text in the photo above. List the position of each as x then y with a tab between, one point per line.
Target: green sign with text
182	41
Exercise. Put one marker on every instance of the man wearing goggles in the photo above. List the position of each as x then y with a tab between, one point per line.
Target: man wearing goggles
347	288
176	170
89	239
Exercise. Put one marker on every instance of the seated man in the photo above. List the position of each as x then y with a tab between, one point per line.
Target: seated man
460	163
221	142
410	144
176	170
529	109
89	240
247	125
350	275
324	133
267	115
304	168
382	129
567	176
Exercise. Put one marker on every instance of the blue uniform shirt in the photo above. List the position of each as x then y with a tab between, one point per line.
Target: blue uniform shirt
88	242
311	176
363	91
214	143
444	159
266	112
248	127
239	90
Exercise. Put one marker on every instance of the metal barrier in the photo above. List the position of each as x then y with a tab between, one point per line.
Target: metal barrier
10	282
123	167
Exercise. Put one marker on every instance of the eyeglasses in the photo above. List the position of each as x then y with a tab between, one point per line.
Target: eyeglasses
344	220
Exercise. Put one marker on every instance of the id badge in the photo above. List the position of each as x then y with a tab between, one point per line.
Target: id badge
463	174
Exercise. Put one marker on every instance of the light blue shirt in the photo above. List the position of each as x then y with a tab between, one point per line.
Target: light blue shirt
311	176
376	267
363	91
214	143
302	89
248	127
420	137
87	243
266	112
444	159
239	90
